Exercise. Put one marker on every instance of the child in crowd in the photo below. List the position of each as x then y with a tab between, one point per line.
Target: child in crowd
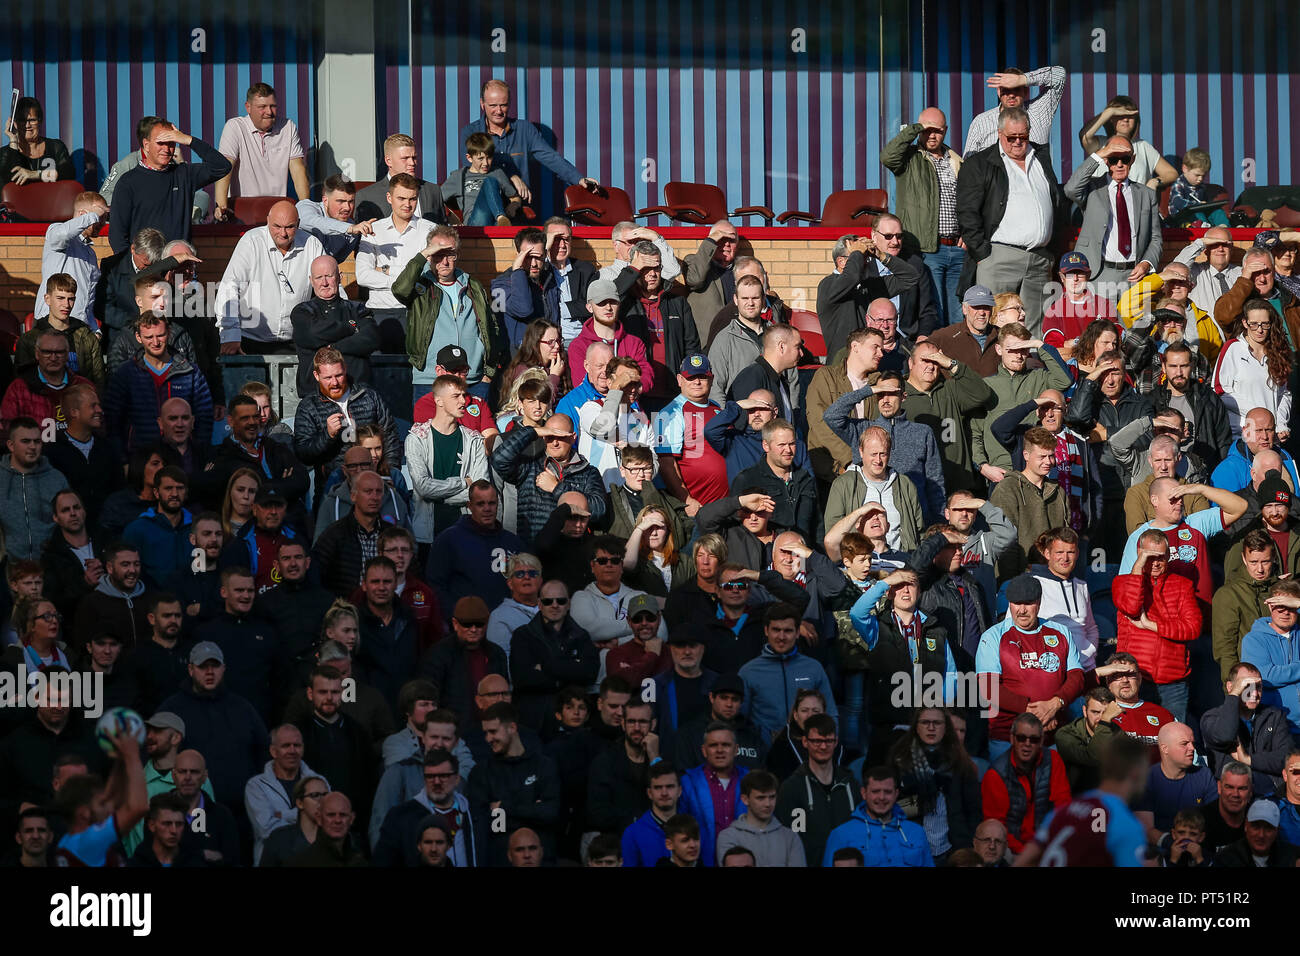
487	197
1191	189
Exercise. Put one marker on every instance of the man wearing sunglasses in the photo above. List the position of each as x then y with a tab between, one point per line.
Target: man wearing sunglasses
1025	784
1012	86
524	580
864	270
457	666
1008	199
1121	232
398	836
1271	645
552	651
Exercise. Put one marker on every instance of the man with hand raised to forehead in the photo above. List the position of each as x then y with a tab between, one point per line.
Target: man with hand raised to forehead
1271	647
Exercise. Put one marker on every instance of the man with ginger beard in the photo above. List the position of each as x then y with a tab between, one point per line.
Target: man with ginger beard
327	420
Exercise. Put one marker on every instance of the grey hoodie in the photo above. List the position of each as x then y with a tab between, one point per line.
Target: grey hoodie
25	513
771	844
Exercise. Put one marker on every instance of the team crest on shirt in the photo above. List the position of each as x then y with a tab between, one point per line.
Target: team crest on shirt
472	409
929	643
1049	662
1051	641
418	599
1153	720
1184	534
1186	553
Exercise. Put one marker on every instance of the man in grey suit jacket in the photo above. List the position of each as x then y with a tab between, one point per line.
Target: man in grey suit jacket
1121	220
400	156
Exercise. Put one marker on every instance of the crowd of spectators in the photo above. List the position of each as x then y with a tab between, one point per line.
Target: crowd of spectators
642	583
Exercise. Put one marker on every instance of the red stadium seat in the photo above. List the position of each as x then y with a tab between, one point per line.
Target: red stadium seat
42	202
29	320
846	208
253	210
362	183
701	204
810	329
605	207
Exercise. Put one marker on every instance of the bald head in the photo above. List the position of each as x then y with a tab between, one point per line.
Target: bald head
191	760
1177	746
1264	462
282	223
492	684
576	500
1258	430
1217	234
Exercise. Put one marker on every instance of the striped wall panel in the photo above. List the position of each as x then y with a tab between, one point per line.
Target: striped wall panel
98	68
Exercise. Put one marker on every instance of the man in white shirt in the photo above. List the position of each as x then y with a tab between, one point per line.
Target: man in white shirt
1006	206
625	235
268	274
68	249
264	149
394	241
1215	276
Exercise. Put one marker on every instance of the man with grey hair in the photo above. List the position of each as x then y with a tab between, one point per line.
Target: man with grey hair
329	319
268	797
1007	200
1258	279
774	310
627	234
524	579
709	273
864	270
114	303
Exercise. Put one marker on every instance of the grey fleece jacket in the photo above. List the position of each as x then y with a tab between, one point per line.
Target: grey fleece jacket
772	844
25	513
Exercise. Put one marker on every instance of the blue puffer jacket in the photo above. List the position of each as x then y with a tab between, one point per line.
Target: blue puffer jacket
133	398
698	802
163	549
895	842
511	460
1233	473
771	682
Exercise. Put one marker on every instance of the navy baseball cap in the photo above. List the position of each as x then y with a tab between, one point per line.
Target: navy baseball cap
697	363
1075	262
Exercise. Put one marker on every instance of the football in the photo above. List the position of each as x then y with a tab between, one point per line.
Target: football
116	721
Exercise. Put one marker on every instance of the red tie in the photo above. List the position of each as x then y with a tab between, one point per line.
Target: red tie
1122	224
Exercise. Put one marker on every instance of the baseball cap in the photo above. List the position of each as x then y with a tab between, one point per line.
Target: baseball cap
165	719
1024	589
978	295
602	290
1264	811
642	604
269	496
452	356
1074	262
697	363
728	683
471	608
1274	491
205	651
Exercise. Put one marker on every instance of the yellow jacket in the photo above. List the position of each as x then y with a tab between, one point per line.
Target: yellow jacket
1137	302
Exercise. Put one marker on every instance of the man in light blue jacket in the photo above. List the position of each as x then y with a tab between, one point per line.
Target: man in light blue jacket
1273	646
774	677
879	829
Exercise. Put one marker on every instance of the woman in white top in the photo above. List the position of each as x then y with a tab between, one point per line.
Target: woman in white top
1121	118
1253	367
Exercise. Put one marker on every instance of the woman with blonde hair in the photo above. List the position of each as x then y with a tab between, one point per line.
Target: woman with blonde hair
342	623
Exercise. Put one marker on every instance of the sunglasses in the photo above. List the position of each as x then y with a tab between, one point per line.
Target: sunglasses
1023	138
606	561
472	623
526	573
1119	160
642	618
889	235
735	586
1027	738
548	602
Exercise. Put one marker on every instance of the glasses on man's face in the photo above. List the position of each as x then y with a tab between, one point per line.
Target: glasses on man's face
1119	160
606	561
643	618
1028	738
51	353
472	624
1016	137
639	469
554	602
821	741
440	777
735	586
992	839
1125	675
889	235
526	573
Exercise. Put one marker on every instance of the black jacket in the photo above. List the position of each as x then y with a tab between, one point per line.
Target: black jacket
27	758
115	304
254	666
65	579
340	323
688	743
942	599
1088	407
891	657
228	731
918	314
616	790
388	652
961	793
187	854
762	375
400	833
93	478
103	613
842	299
311	441
1267	744
337	556
564	559
341	753
197	587
296	608
528	790
446	665
982	191
542	662
219	833
796	500
1211	435
230	456
159	671
719	517
1239	853
681	337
